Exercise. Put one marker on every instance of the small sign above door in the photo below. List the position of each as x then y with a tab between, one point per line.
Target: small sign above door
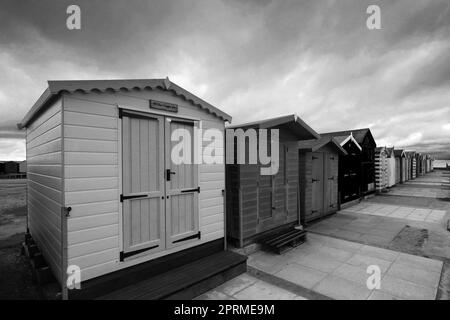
164	106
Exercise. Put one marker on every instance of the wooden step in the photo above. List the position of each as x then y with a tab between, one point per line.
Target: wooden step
185	282
281	242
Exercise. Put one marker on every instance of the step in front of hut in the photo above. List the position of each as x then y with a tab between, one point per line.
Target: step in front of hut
283	241
185	273
186	282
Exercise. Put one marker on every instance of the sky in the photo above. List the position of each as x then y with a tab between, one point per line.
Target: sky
253	59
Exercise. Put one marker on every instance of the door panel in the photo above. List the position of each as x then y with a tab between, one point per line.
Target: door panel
330	197
182	213
317	185
143	183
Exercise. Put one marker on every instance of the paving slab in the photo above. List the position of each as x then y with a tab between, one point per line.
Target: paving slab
342	289
301	275
406	290
264	291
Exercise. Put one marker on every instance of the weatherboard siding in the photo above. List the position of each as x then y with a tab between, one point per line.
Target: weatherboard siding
44	193
92	185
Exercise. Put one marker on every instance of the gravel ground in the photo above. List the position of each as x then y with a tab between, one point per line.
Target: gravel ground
16	280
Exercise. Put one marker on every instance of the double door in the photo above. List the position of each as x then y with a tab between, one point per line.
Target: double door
159	191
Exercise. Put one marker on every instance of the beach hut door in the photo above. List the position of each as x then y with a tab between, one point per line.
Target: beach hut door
317	184
143	184
182	185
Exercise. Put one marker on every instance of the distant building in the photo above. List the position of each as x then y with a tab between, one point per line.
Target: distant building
10	167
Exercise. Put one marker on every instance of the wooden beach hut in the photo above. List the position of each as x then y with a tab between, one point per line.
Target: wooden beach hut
318	170
106	197
259	206
381	169
391	166
357	168
400	166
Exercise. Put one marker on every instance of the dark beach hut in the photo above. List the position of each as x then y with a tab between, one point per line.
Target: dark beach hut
400	166
357	168
319	177
258	205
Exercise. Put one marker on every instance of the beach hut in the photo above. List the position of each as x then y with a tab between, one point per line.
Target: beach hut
381	169
419	164
357	168
400	166
107	196
319	177
259	206
413	165
391	166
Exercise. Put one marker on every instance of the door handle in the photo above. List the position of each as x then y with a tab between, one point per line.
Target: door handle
168	173
315	180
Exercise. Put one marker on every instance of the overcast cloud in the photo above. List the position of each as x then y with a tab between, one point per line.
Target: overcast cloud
252	59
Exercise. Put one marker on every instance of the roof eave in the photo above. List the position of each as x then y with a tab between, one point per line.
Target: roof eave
37	106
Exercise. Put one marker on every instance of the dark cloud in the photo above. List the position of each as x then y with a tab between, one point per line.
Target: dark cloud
254	59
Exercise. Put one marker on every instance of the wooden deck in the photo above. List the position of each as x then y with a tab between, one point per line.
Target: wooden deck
185	282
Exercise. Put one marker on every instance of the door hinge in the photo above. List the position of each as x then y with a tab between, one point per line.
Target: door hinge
122	197
191	190
194	236
124	255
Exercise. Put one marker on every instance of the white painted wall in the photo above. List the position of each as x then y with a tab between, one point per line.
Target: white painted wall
92	171
44	195
391	170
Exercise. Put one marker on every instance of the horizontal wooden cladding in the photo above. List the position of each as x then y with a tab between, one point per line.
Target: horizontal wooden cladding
86	222
93	233
93	246
96	183
47	158
47	211
90	158
50	193
46	147
89	120
48	245
211	202
90	133
212	185
49	181
90	171
93	208
212	168
94	258
45	116
87	196
95	146
44	192
50	135
90	107
47	126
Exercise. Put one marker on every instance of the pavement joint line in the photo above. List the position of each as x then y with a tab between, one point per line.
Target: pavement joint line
433	257
286	285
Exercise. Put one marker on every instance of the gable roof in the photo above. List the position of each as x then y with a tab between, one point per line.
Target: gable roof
314	145
390	151
399	153
358	134
291	122
342	140
55	88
